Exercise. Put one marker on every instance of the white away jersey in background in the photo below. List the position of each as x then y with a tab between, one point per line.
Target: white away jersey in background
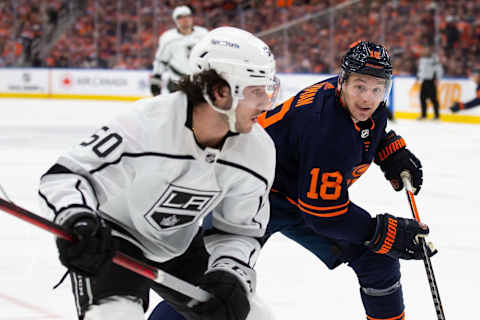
174	50
145	173
429	68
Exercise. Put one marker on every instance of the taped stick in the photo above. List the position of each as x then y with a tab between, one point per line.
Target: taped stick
405	175
121	259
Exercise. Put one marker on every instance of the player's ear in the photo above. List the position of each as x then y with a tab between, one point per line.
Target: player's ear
221	91
222	96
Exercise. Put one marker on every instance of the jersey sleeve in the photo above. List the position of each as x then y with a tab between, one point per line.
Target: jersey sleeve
162	55
323	197
242	217
92	171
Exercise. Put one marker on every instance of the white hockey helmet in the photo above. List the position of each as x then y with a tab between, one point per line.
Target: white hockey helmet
240	58
181	11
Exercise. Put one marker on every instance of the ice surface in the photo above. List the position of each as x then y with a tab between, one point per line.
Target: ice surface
290	279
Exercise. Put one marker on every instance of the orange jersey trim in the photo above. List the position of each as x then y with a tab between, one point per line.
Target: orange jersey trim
400	317
265	122
323	208
325	215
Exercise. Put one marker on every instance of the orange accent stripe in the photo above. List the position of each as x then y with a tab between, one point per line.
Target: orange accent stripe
390	238
325	215
265	122
358	128
323	208
414	205
400	317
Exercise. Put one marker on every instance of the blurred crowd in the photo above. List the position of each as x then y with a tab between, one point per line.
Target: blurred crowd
305	35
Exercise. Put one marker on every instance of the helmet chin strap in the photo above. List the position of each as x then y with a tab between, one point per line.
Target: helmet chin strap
231	114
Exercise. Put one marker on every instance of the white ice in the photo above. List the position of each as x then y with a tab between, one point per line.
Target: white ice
291	281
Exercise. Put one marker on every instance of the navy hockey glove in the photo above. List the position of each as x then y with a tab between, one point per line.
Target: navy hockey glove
156	84
455	107
393	157
93	248
226	282
397	238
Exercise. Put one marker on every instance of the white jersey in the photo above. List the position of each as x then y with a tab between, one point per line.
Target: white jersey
429	68
174	50
146	175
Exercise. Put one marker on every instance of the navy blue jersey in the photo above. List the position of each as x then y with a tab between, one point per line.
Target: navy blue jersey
320	153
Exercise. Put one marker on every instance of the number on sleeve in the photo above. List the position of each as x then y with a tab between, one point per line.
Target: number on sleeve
103	146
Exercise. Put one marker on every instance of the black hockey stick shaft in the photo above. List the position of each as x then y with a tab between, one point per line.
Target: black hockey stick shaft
121	259
426	259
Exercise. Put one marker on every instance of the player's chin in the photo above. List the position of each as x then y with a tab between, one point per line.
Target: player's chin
363	114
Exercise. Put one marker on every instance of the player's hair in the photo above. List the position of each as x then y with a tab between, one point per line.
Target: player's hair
194	86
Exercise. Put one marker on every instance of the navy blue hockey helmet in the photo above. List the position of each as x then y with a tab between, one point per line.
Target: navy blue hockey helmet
366	57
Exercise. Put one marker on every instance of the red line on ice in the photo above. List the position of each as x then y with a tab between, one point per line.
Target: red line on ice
29	306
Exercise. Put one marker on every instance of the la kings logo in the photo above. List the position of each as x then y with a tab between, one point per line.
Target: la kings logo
178	206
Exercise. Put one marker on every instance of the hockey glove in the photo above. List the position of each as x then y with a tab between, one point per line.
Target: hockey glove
393	157
228	282
455	107
156	84
93	248
397	238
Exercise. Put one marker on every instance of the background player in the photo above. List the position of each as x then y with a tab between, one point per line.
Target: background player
430	71
326	137
174	47
143	182
457	106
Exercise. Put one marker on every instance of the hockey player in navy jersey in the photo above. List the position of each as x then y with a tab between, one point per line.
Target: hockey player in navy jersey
458	106
143	182
326	137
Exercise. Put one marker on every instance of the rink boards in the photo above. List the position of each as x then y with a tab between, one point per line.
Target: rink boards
100	84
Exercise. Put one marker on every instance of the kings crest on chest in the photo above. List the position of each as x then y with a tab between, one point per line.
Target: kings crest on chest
180	205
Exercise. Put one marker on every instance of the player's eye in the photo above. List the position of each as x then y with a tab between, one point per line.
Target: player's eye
360	88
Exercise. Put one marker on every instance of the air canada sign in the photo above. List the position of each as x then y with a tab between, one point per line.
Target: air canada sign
93	81
98	82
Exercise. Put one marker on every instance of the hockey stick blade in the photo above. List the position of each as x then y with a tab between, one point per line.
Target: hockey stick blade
120	259
405	175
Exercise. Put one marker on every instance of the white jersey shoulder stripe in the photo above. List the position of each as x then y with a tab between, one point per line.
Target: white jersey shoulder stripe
143	154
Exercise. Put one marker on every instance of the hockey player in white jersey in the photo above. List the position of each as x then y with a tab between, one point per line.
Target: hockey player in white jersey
174	47
143	183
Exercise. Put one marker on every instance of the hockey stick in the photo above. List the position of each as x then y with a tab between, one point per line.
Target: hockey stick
121	259
405	175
